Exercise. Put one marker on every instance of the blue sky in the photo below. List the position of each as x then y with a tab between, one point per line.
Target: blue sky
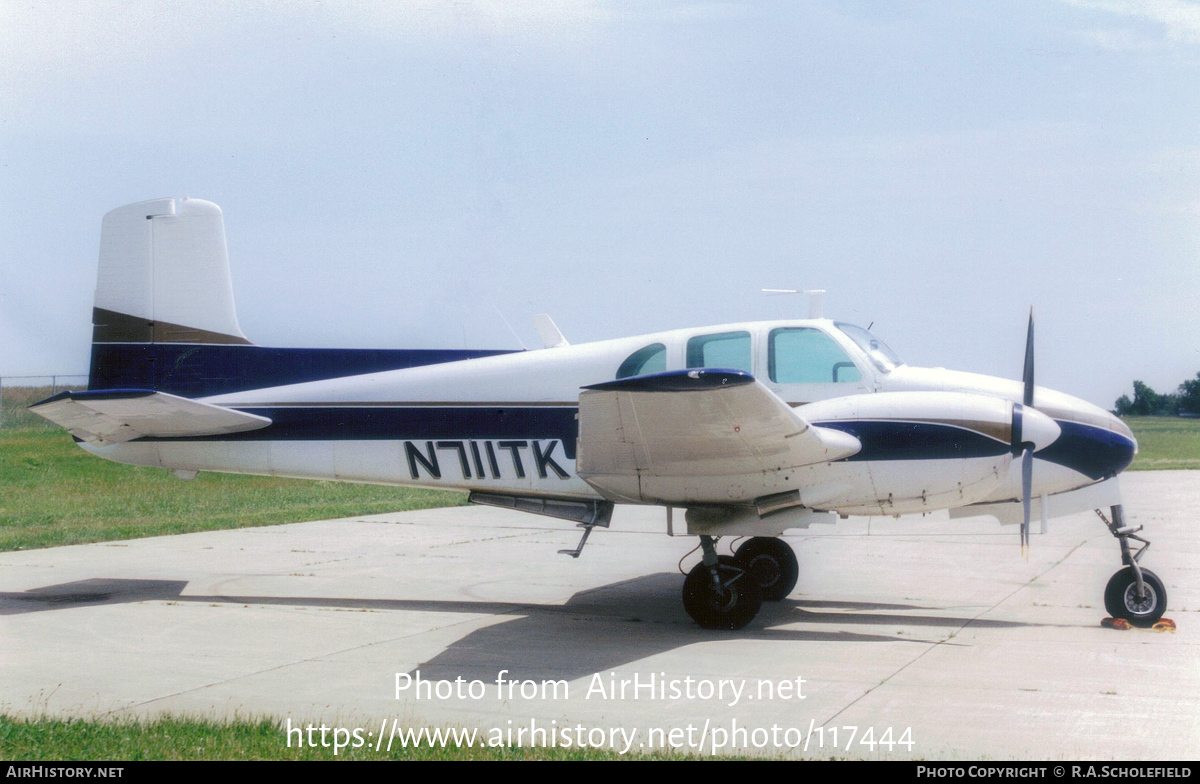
393	174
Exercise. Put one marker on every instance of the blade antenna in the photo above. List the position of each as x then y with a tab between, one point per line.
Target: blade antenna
510	329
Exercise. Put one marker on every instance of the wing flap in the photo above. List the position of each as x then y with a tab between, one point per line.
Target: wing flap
116	416
694	424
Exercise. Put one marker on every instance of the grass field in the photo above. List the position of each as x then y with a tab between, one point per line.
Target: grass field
1165	443
173	738
53	493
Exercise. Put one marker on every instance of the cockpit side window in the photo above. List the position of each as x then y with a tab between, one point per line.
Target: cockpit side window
883	357
729	350
649	359
803	355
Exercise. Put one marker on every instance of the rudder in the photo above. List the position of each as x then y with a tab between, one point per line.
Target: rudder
164	276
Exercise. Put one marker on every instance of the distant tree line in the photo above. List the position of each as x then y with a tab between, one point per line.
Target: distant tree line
1147	402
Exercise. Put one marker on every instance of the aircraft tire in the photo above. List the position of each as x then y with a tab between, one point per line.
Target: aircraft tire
1121	599
773	564
736	608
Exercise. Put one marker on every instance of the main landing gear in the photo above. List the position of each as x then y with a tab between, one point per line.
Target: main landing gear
1134	594
726	592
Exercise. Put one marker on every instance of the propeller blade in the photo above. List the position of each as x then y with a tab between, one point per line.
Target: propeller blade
1028	375
1026	496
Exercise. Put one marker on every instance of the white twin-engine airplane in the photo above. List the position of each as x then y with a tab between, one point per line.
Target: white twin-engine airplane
753	428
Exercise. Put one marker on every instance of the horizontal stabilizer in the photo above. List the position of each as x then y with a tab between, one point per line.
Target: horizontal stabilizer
117	415
693	425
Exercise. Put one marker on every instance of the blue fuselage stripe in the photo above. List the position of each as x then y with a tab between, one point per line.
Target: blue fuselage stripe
1092	451
202	370
361	423
881	440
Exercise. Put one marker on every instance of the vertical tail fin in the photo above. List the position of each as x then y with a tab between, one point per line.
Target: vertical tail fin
164	276
164	318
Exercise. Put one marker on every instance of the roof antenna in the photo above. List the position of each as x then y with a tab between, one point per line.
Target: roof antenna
510	329
815	297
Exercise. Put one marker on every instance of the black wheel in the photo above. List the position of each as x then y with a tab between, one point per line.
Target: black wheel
734	606
773	565
1122	601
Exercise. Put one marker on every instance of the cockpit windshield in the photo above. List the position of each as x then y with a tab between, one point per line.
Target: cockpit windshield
883	357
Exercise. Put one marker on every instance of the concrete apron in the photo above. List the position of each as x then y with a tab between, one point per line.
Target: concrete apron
934	632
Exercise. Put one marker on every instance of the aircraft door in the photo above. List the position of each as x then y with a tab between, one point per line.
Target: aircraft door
804	364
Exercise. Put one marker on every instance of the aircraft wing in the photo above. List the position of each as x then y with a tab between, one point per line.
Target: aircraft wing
118	415
686	436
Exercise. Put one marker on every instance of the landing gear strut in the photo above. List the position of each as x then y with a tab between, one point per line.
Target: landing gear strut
718	593
1134	594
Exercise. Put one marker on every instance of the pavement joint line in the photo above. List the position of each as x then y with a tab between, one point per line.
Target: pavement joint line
457	543
515	610
954	633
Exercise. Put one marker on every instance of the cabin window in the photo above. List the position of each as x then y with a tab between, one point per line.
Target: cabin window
802	355
729	350
650	359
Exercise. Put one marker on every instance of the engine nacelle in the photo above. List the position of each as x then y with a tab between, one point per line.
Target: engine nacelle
922	451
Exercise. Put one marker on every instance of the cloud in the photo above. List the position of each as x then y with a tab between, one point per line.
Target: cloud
1180	18
44	43
529	20
1110	40
43	40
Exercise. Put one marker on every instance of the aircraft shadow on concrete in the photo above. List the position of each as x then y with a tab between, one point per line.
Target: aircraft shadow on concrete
595	630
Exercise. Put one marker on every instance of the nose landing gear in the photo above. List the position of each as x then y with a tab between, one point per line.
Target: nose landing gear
1134	594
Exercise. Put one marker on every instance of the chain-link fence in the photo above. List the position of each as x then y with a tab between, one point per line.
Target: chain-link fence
17	393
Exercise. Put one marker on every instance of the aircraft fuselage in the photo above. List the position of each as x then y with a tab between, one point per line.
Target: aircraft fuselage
508	423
